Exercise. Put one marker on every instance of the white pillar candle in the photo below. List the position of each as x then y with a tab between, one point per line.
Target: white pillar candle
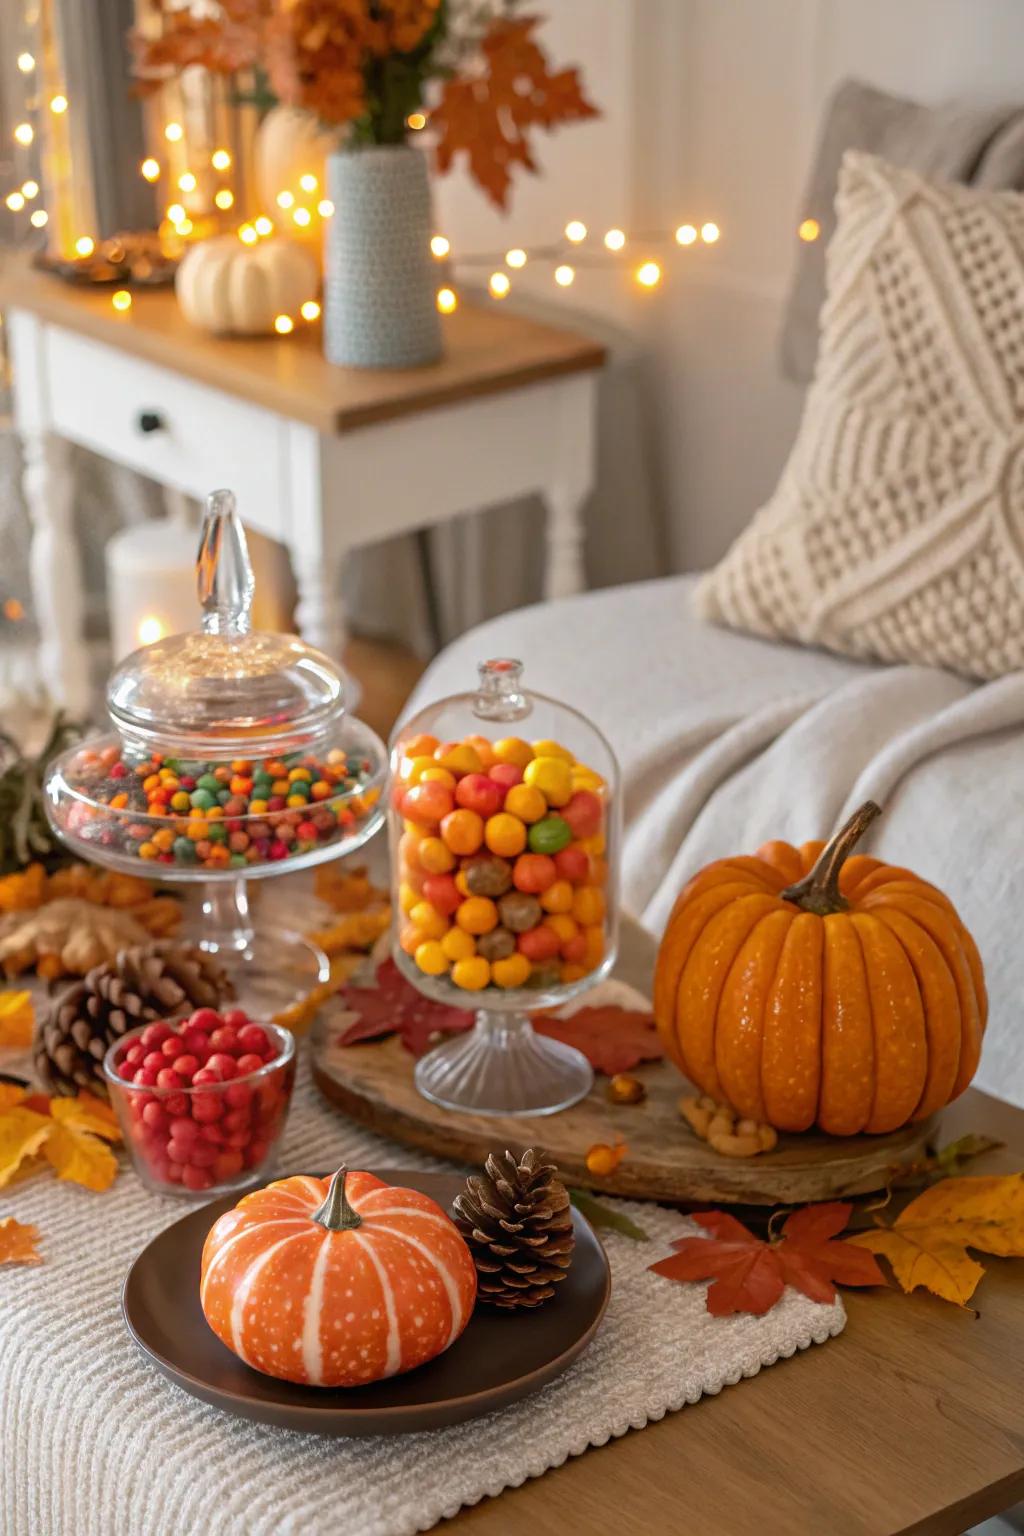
151	585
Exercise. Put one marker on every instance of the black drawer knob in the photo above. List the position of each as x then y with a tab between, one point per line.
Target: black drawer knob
150	421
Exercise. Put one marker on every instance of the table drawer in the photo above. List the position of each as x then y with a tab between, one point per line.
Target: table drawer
178	432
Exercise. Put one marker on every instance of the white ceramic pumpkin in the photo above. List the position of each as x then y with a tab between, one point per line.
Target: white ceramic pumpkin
234	289
291	143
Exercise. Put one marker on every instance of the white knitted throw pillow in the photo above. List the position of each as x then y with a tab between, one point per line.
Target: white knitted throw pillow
897	529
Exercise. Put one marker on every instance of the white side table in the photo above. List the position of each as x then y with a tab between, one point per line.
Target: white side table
322	459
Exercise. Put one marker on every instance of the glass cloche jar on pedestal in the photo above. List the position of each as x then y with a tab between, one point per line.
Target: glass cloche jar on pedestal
504	831
233	759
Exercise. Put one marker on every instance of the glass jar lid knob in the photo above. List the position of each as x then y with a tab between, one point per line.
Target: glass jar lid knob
224	579
500	695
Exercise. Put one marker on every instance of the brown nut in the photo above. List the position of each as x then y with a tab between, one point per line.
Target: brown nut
735	1146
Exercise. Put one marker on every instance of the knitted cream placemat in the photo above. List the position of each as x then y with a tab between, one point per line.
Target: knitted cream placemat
97	1443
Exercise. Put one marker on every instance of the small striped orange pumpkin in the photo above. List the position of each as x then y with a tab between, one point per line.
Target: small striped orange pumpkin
805	986
339	1284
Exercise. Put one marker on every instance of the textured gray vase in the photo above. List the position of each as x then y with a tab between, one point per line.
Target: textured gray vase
380	280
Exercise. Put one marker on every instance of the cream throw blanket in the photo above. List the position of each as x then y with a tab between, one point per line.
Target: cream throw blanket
726	741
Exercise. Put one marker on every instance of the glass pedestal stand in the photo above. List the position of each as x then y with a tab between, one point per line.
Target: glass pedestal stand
503	1067
269	969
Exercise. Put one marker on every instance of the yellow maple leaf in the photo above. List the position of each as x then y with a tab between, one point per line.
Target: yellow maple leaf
18	1242
928	1242
86	1113
17	1020
10	1094
22	1133
75	1155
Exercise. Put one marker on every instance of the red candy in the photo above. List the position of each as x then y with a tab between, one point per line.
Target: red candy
196	1119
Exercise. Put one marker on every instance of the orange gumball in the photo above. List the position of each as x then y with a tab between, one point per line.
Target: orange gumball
534	873
427	804
422	745
557	897
462	831
505	835
408	850
477	915
434	855
483	749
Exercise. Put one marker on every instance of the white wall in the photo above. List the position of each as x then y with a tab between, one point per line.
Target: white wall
711	109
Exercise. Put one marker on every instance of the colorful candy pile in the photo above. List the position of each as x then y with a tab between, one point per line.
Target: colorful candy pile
215	815
502	867
193	1113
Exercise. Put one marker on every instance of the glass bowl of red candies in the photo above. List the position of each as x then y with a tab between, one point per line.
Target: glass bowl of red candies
202	1101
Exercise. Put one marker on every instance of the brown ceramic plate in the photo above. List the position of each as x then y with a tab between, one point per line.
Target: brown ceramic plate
499	1358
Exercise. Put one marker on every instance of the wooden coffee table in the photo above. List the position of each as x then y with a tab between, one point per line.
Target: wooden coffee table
912	1421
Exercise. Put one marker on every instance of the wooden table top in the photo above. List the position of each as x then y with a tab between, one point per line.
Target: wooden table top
487	350
911	1421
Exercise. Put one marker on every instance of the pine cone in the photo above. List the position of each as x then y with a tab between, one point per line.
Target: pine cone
517	1220
142	983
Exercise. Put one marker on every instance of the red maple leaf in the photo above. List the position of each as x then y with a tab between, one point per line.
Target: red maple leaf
612	1039
394	1006
749	1275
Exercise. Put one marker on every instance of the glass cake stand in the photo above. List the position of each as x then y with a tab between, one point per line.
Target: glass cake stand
232	759
504	828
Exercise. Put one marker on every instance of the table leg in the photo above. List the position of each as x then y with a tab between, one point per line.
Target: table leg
570	485
564	573
55	570
319	611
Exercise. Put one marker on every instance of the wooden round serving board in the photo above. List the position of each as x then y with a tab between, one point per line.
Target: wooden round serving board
374	1085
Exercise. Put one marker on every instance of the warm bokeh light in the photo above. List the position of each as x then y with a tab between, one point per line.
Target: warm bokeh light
174	133
263	225
15	202
310	310
14	610
150	169
499	285
685	234
308	183
516	257
709	233
183	227
615	239
325	208
283	324
58	104
439	246
150	630
247	234
302	217
24	133
225	198
416	121
447	301
30	189
809	230
286	199
187	182
648	275
26	63
85	245
40	218
220	160
575	231
564	276
176	212
121	300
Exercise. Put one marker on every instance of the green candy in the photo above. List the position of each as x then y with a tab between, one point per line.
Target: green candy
184	850
210	782
550	835
223	795
201	799
261	786
238	860
216	832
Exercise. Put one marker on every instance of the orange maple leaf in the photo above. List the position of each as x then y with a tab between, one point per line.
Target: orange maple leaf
18	1242
74	1148
17	1020
927	1243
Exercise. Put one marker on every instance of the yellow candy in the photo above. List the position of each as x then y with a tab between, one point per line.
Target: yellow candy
414	768
472	975
595	845
147	850
460	759
513	971
512	749
435	856
553	777
300	773
430	958
437	775
279	787
462	884
526	802
557	897
163	839
505	835
553	749
431	923
180	801
586	778
295	801
257	807
477	914
407	897
563	925
457	944
595	946
588	905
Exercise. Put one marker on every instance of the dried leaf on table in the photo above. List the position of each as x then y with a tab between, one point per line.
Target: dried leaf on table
86	1113
602	1217
68	1133
23	1132
749	1275
17	1020
18	1242
393	1006
940	1165
353	930
612	1039
78	1157
347	890
927	1243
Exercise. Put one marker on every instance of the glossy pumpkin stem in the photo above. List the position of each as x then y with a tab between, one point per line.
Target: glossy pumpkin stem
818	892
336	1214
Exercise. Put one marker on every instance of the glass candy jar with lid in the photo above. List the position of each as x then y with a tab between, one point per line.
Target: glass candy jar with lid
232	759
504	832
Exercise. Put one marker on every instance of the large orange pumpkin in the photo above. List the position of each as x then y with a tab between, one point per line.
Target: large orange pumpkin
336	1285
805	986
